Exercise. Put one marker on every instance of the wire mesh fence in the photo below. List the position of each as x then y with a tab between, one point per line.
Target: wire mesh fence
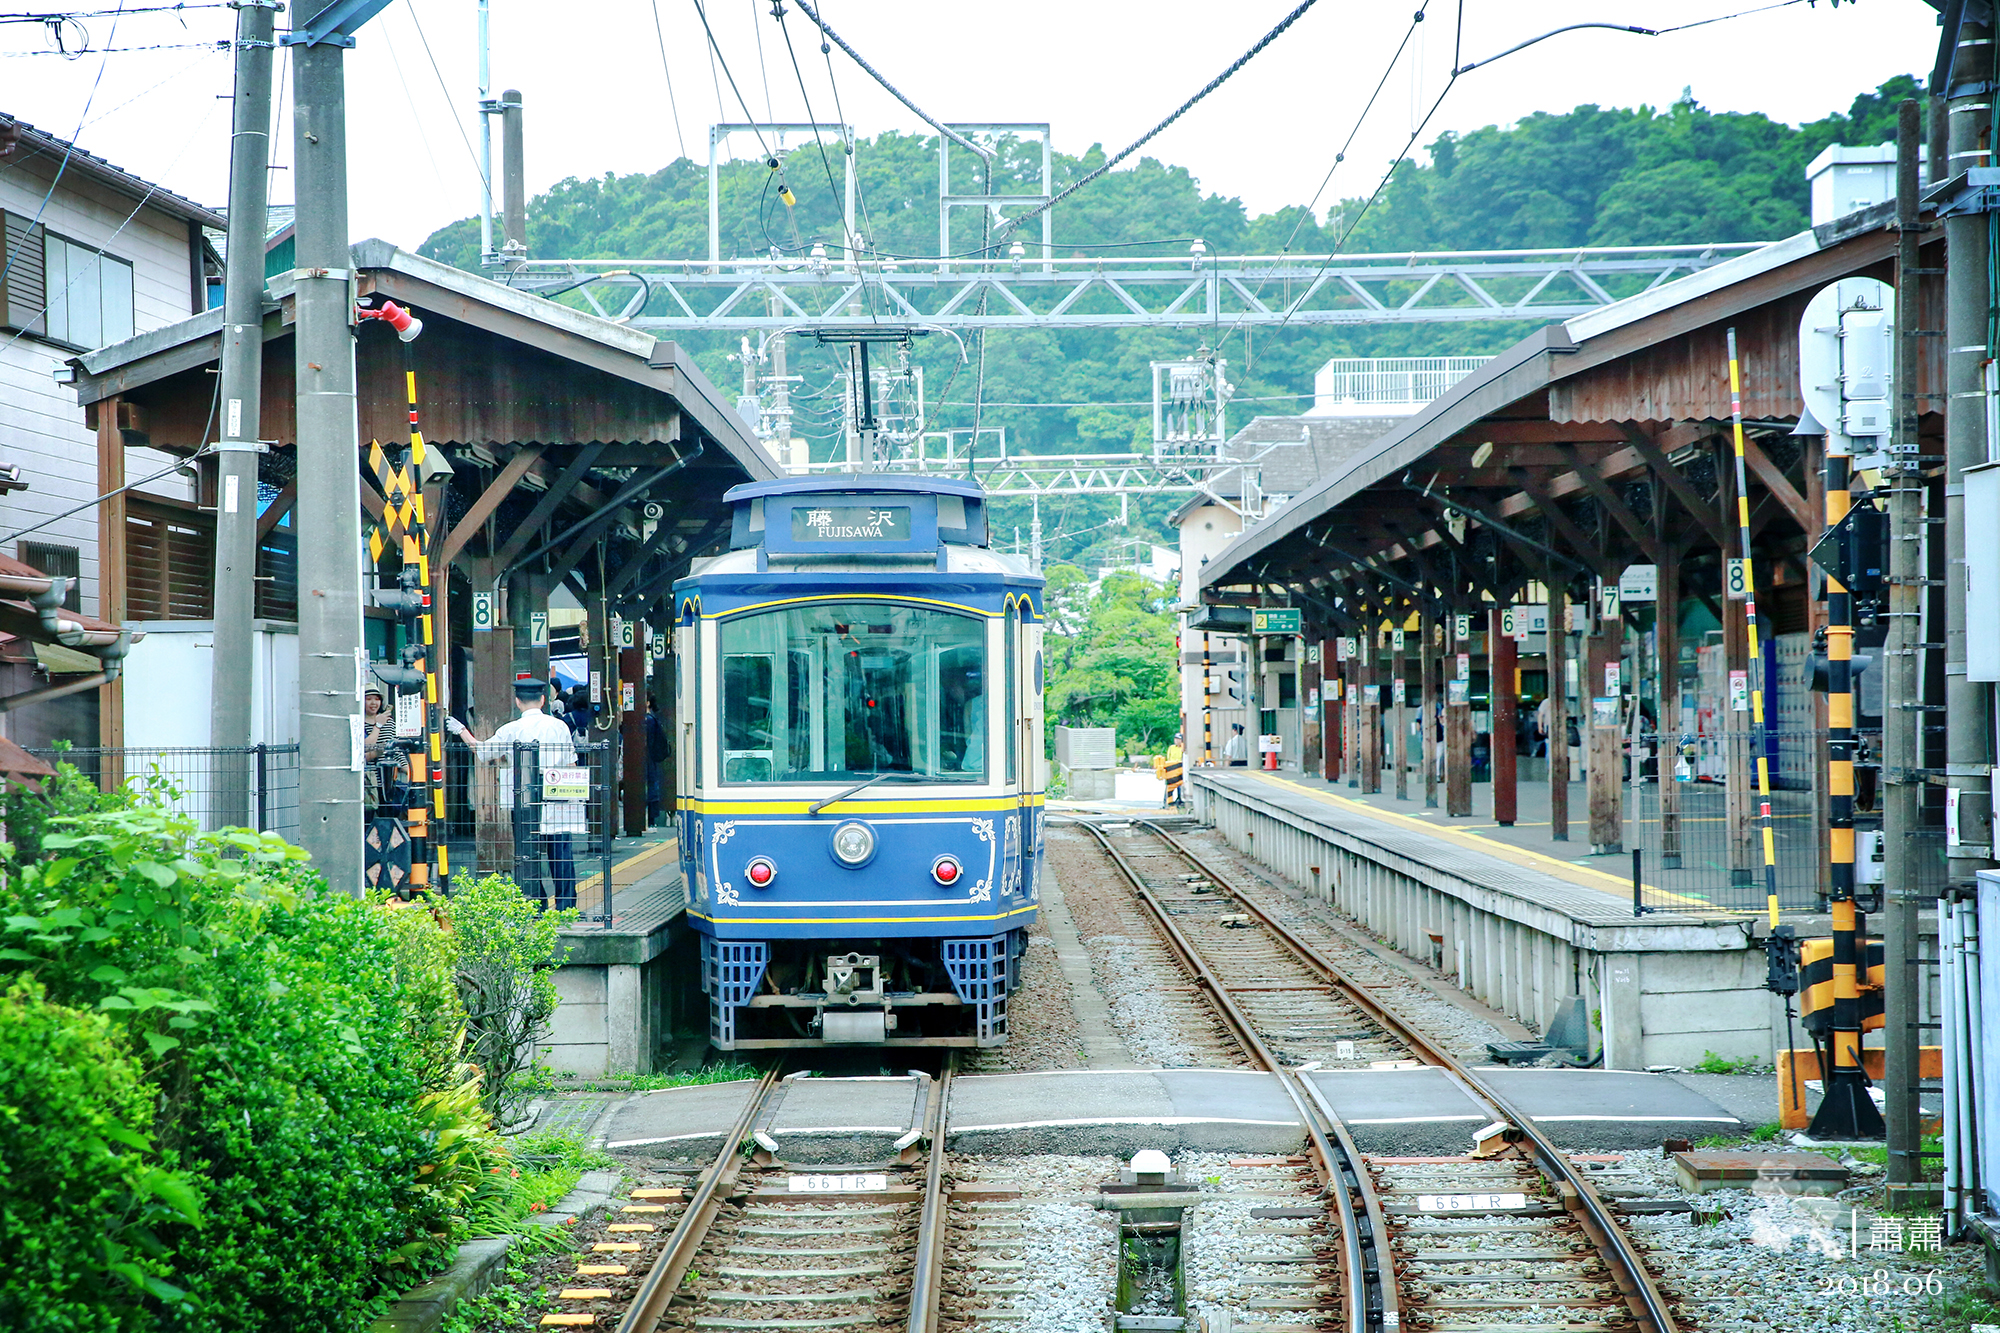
253	786
1693	815
544	814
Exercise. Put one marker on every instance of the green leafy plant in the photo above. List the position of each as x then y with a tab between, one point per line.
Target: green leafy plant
1766	1133
508	949
1711	1063
82	1195
717	1073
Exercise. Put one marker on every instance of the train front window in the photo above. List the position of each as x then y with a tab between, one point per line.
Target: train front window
831	691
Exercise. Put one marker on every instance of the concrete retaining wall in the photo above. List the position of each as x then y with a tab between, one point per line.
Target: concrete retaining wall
614	1010
1662	990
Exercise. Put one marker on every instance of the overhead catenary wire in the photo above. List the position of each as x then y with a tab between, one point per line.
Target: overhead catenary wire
1179	111
886	86
666	67
715	51
69	151
463	137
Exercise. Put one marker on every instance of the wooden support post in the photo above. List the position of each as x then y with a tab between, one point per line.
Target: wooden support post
1504	694
1604	776
1428	703
632	736
1371	709
1458	724
490	707
1310	709
1350	674
1399	746
1667	635
1558	652
1739	797
1331	708
111	575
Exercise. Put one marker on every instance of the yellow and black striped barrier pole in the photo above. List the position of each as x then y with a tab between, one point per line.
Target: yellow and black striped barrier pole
1748	583
403	514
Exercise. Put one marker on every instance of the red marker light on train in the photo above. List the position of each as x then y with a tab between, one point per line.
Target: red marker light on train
760	872
945	870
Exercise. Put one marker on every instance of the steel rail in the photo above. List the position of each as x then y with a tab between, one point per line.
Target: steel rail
649	1306
1340	1170
1627	1267
927	1274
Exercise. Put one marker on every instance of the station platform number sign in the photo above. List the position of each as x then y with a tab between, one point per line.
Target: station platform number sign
1277	620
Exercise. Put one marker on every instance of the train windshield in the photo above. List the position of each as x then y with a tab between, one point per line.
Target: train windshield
831	691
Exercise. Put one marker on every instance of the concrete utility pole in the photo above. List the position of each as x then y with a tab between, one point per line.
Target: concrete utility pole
1968	709
332	660
1901	757
242	411
513	181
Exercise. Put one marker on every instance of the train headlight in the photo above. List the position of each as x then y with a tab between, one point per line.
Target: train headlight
760	872
946	870
853	843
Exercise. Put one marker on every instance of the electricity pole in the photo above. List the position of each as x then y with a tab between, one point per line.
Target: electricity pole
1968	708
333	662
1902	755
242	409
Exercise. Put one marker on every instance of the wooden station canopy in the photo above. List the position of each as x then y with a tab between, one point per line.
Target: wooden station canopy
1586	447
560	427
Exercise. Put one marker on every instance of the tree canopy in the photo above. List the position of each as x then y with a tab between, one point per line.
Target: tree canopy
1110	657
1589	176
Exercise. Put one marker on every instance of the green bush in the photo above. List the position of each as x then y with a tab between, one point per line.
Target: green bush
508	948
81	1196
179	1006
300	1112
424	961
271	1027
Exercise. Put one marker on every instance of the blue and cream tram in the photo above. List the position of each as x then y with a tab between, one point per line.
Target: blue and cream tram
860	715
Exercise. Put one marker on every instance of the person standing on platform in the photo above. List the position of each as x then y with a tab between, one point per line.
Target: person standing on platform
656	762
560	820
378	735
1236	750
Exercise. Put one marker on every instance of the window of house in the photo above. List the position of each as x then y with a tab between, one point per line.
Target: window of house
62	289
64	562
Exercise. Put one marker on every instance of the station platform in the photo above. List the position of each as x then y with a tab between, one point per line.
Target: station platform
1518	924
615	1012
1393	1111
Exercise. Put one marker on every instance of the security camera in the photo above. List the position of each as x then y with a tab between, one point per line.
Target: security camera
655	511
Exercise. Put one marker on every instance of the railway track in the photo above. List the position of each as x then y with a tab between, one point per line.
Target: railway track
760	1246
1516	1238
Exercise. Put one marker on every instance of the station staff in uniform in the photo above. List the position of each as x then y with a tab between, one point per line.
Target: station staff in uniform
560	820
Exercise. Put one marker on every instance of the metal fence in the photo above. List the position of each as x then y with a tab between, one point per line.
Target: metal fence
1693	820
202	782
536	814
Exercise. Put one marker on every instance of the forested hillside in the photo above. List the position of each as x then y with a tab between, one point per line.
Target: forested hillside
1591	176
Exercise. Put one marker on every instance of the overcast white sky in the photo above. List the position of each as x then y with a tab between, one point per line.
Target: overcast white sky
1098	70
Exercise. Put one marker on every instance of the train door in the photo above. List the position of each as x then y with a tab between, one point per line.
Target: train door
1024	711
687	753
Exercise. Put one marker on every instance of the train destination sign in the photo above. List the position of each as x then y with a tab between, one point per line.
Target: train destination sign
851	523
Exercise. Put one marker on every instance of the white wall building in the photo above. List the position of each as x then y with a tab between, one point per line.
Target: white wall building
91	255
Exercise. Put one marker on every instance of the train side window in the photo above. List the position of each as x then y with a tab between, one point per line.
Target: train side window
746	718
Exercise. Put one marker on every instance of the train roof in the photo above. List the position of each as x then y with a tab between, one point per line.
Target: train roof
853	483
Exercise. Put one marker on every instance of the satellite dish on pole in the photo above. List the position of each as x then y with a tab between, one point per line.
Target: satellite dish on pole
1847	356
